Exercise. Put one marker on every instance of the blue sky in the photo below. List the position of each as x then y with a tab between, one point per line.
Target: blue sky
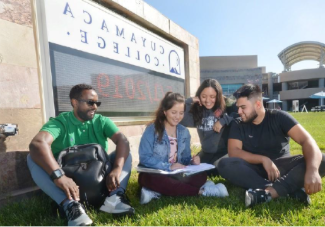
249	27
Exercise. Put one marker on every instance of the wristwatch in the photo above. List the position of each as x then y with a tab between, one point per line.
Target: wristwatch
56	174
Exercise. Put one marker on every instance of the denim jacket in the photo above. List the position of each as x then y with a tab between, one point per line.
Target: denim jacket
154	153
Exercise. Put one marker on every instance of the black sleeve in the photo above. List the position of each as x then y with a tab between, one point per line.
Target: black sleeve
286	121
188	121
235	132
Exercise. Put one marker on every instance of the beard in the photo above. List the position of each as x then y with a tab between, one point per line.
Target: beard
250	118
84	115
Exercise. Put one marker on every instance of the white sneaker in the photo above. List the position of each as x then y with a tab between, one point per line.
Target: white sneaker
218	190
147	195
117	204
208	183
222	189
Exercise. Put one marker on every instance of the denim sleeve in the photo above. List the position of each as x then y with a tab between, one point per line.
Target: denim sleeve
146	148
186	157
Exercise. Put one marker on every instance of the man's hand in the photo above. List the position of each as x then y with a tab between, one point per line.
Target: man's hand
313	182
69	187
177	166
112	179
217	126
272	171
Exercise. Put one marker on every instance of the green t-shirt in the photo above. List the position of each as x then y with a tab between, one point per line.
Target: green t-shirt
68	131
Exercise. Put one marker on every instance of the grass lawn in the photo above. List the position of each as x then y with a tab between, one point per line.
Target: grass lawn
192	210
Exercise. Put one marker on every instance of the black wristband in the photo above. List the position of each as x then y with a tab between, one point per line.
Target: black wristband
56	174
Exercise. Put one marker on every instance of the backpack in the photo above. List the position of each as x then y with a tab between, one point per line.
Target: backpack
88	166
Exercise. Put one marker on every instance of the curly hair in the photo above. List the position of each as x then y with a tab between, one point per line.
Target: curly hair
197	110
166	103
76	91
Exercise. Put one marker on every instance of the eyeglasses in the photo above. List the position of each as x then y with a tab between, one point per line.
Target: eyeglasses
90	102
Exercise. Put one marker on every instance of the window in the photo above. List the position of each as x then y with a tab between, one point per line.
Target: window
229	89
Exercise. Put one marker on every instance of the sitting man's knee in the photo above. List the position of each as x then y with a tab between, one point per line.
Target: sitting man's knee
225	165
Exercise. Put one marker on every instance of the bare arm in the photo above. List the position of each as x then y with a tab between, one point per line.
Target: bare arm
122	153
40	152
235	150
312	155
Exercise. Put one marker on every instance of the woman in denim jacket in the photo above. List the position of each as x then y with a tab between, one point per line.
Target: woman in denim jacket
165	145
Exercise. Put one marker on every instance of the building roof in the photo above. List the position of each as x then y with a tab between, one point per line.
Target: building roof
307	50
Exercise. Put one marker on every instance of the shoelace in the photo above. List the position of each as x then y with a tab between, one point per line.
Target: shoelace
74	210
211	190
124	198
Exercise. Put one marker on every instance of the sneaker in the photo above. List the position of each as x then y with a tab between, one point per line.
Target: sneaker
301	196
76	214
117	204
147	195
222	189
210	189
256	196
208	183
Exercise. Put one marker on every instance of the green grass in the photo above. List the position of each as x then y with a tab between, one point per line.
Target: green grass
192	210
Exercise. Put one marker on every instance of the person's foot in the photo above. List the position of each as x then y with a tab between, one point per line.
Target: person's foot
222	189
117	204
208	183
210	189
301	196
76	214
253	197
147	195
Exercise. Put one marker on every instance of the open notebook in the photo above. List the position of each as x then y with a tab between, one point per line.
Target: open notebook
188	170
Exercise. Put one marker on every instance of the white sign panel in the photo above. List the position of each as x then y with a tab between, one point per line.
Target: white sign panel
89	27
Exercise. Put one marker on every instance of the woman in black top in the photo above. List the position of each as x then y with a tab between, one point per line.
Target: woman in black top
207	111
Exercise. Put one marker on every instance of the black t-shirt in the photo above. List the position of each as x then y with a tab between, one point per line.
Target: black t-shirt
269	138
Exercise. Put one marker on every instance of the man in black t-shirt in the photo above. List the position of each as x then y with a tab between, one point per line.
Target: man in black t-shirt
259	157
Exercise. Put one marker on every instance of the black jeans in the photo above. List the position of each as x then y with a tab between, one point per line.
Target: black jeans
213	159
243	174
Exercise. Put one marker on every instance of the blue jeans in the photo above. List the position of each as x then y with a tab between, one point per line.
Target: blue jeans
44	182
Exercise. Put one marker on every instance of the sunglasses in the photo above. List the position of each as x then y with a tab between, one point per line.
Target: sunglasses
90	102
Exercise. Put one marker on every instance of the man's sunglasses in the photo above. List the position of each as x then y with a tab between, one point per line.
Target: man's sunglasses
90	102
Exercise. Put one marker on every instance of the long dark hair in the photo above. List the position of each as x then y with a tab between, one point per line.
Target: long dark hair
166	103
197	110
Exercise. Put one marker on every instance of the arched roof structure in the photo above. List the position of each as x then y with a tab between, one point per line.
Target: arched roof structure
308	50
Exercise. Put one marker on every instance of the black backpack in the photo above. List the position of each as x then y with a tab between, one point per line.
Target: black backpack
88	166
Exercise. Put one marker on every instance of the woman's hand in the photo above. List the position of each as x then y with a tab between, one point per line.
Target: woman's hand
177	166
196	160
196	100
217	126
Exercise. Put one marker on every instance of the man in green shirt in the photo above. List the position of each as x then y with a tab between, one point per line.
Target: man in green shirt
80	126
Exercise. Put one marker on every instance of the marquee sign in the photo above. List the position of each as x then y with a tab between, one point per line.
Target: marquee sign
86	26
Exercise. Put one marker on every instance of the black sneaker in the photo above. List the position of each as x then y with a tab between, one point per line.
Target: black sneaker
256	196
301	196
117	204
76	214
